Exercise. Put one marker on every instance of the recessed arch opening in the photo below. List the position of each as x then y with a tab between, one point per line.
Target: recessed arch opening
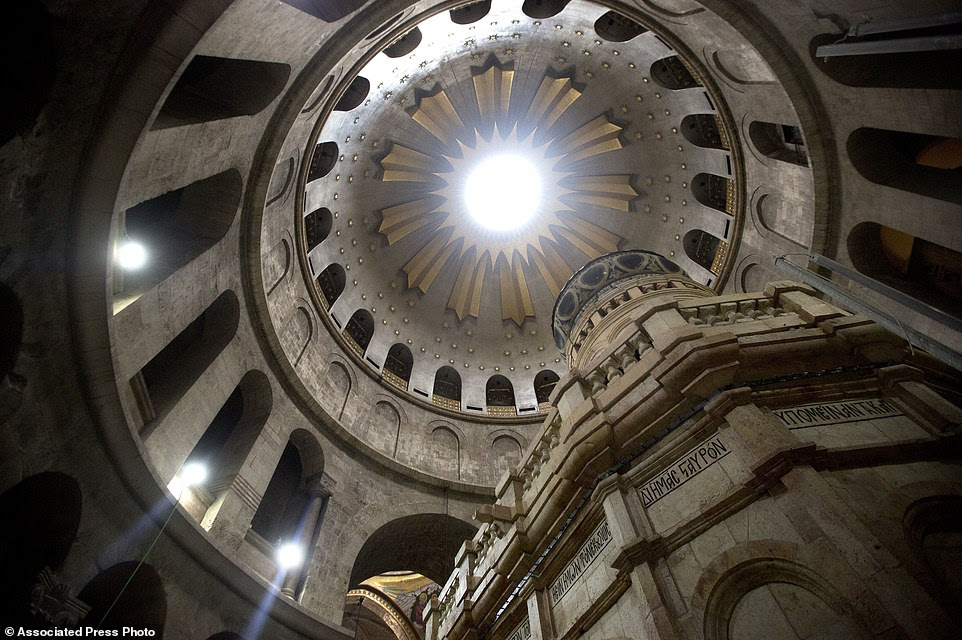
470	13
615	27
447	388
215	88
317	226
331	282
673	74
359	330
405	44
499	396
919	268
714	191
541	9
398	366
927	165
703	130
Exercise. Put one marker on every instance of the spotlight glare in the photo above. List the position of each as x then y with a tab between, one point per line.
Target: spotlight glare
131	255
503	192
193	474
290	555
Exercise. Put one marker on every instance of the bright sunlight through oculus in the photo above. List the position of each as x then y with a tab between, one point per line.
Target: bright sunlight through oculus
503	192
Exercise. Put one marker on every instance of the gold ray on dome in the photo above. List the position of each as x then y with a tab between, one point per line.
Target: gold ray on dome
403	164
493	92
553	98
423	268
516	301
436	114
509	260
598	136
399	221
552	267
465	299
612	192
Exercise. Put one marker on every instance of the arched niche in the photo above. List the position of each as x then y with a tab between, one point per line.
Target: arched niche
338	384
773	599
383	427
326	10
924	164
175	228
370	613
398	365
142	602
297	333
31	64
499	396
753	277
919	268
702	249
541	9
354	95
614	27
742	65
424	543
671	73
703	130
231	435
470	12
359	330
544	383
933	526
322	160
507	451
781	217
277	264
282	181
163	381
384	26
906	70
11	329
39	519
405	44
447	388
782	142
279	514
331	282
714	191
445	449
215	88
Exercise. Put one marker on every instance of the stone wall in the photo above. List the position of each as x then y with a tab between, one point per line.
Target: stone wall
742	477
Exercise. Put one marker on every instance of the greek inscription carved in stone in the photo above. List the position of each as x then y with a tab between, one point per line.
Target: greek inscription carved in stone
522	632
690	465
813	415
590	550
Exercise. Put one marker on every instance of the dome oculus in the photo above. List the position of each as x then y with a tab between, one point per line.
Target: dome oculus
503	192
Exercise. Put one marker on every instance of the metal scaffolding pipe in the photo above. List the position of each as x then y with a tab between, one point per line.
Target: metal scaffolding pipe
906	24
852	302
901	298
898	45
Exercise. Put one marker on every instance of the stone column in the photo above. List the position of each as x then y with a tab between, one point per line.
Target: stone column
539	616
651	585
317	495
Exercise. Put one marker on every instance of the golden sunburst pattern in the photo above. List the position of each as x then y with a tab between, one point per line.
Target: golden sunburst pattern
439	222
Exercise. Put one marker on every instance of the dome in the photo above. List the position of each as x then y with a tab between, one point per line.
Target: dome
603	274
617	140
